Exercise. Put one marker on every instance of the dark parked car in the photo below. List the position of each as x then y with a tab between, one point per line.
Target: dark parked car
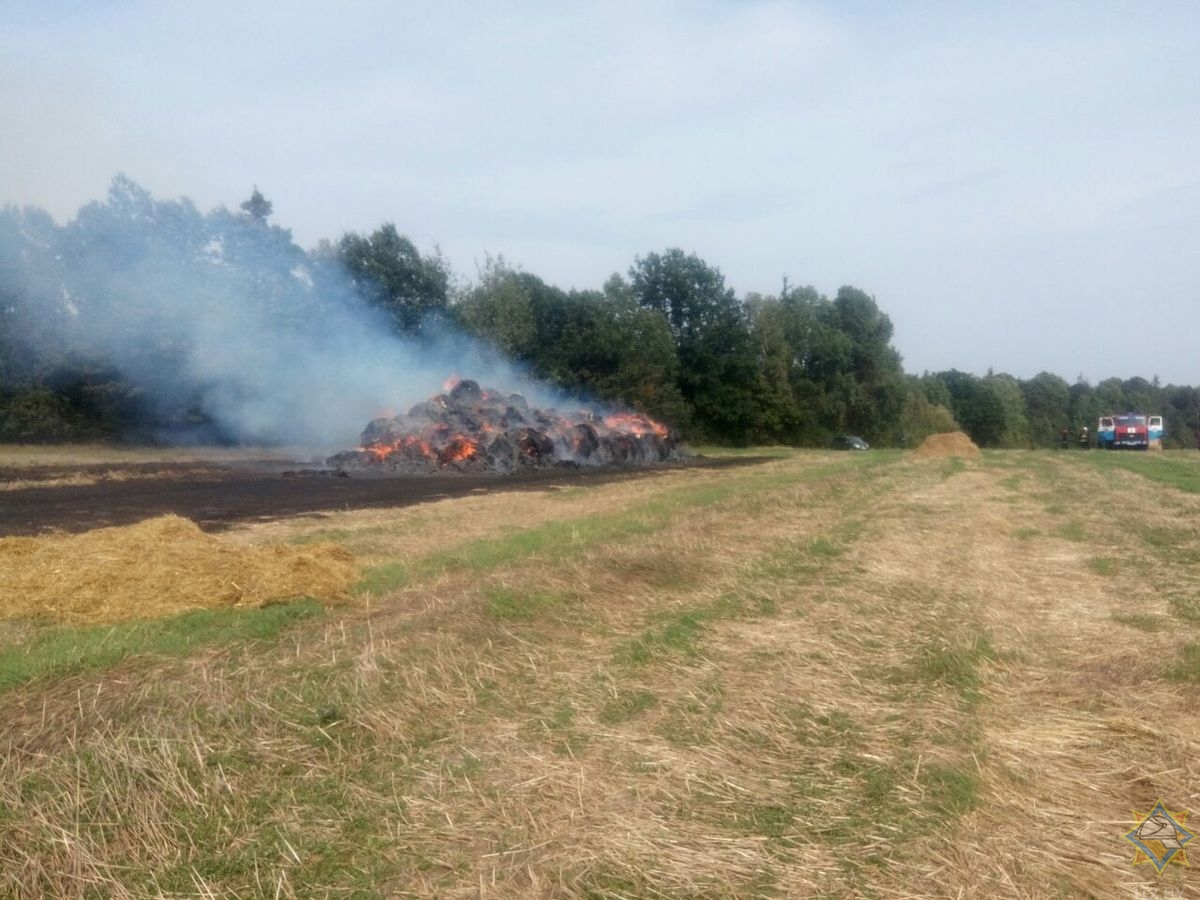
849	442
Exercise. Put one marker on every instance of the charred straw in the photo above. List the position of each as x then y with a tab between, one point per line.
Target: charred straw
473	429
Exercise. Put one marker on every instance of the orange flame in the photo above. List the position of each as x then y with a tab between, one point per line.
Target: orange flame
636	424
404	444
460	449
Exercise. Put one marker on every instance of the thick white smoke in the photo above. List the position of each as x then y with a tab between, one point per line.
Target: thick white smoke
223	315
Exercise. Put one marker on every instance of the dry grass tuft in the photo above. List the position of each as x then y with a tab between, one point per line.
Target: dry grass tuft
158	567
943	446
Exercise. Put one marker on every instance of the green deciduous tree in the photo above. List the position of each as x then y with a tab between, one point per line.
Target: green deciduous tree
603	344
1141	395
1181	408
596	344
500	308
780	417
976	406
872	382
1110	396
717	369
919	416
1048	408
392	276
1085	407
1014	426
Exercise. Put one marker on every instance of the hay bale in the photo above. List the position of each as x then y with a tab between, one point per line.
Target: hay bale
159	567
944	446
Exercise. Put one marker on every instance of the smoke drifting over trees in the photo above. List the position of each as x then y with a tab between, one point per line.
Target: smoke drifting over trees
146	316
144	319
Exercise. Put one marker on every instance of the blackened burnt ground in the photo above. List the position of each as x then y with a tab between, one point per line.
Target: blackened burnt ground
218	496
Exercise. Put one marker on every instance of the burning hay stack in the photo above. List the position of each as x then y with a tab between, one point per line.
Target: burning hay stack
472	429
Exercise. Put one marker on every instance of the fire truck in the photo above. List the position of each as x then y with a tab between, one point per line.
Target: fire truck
1129	431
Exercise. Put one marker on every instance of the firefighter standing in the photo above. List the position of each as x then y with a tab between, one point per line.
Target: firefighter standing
1066	439
1084	443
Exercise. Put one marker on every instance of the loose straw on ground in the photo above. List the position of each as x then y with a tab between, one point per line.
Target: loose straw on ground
159	567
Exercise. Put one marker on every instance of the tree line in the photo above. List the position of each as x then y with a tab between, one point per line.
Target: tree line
95	314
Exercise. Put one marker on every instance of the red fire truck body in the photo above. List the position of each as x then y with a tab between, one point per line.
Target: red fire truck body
1125	431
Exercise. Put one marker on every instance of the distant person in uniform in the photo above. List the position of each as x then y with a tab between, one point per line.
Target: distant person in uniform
1084	443
1066	438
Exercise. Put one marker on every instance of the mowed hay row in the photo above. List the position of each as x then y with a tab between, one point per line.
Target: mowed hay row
944	446
159	567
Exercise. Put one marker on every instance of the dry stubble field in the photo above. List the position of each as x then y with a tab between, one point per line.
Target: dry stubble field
821	676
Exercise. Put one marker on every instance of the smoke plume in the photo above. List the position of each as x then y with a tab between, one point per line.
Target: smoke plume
219	320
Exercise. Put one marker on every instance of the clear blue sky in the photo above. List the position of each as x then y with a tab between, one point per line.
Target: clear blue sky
1017	183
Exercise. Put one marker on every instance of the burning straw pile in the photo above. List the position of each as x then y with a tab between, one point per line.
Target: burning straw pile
158	567
472	429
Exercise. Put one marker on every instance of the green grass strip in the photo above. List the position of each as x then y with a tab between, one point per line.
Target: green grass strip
564	537
63	650
1182	473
